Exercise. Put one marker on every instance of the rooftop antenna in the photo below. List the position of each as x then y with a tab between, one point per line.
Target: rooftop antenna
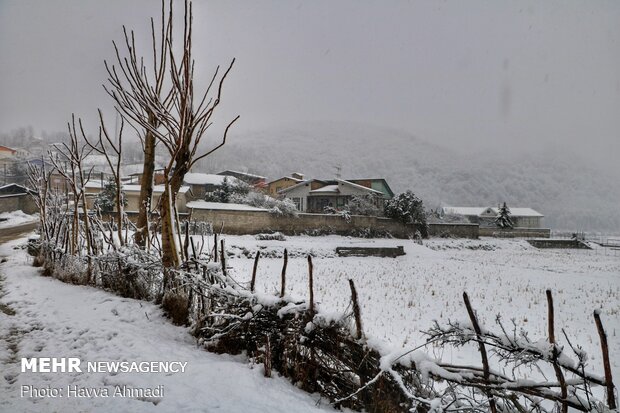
338	171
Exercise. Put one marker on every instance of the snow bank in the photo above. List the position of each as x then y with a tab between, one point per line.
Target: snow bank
11	219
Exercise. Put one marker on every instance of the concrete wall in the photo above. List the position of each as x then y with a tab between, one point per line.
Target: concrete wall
255	222
515	232
22	202
458	230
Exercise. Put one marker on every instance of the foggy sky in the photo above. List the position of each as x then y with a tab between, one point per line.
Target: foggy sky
469	74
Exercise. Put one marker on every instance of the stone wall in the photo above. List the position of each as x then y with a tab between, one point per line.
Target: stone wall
559	243
255	222
457	230
23	202
515	232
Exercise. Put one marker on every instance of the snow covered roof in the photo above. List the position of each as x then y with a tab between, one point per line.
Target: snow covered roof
249	175
14	189
156	189
287	177
365	188
136	169
331	186
207	179
94	183
327	188
297	185
222	206
477	211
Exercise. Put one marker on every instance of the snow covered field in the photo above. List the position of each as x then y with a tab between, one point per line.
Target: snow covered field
43	317
400	297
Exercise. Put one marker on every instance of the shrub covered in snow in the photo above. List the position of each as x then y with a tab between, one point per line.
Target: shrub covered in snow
276	236
283	207
408	209
364	205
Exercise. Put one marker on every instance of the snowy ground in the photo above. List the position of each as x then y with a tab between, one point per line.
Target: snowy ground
11	219
43	317
400	297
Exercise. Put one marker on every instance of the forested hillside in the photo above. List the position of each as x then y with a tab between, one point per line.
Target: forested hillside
571	193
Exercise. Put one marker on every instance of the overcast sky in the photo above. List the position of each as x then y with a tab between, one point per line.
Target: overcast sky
463	73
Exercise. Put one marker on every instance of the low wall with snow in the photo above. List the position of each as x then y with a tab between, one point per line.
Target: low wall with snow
457	230
255	222
515	232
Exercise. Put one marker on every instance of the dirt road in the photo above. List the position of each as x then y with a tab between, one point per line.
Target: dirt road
8	234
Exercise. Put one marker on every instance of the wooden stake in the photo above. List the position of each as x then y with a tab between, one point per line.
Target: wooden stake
356	311
556	367
283	289
253	282
215	247
223	258
311	284
267	362
482	348
609	383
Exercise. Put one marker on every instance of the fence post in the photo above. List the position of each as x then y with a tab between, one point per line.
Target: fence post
611	399
283	289
356	311
215	247
223	258
554	351
253	282
311	284
482	349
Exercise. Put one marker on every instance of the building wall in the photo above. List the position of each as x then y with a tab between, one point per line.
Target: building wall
22	202
280	184
527	222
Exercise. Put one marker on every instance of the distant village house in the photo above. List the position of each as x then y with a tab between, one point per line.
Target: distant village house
485	216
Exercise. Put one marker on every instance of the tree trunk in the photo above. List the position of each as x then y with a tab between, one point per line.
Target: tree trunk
170	252
146	188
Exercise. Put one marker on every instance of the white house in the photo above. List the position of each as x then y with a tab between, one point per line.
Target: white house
485	216
314	195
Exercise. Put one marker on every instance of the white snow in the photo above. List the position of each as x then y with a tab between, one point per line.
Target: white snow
13	218
157	189
400	297
207	179
222	206
326	188
53	319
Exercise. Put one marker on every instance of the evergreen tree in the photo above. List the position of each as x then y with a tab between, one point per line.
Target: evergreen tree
502	219
408	209
106	199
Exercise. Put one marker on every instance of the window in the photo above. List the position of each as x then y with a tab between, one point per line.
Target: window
298	203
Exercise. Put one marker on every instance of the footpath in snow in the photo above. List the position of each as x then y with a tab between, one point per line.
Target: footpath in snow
43	317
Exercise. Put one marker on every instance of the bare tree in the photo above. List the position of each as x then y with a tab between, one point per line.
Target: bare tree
135	88
178	119
76	177
114	163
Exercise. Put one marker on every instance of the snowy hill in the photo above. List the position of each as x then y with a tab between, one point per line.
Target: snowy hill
571	193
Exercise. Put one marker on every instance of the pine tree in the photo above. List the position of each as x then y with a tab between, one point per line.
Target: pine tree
502	219
106	199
